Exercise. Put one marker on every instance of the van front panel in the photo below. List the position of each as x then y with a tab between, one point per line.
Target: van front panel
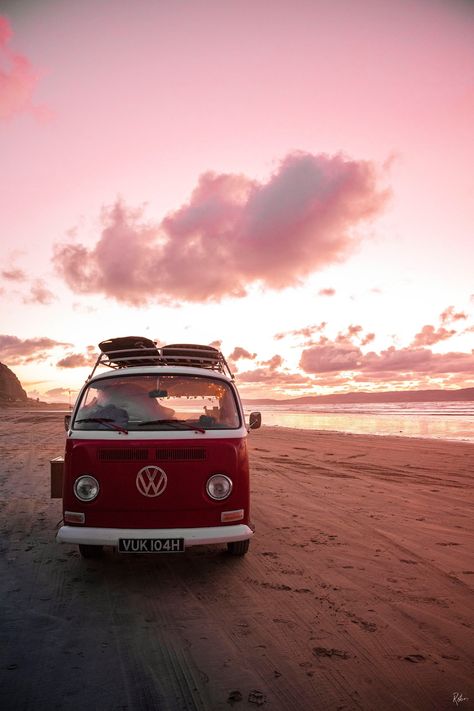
158	483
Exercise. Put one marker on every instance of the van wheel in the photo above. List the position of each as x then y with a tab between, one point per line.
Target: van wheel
238	547
88	551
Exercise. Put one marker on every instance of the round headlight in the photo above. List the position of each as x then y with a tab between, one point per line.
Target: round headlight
219	486
86	487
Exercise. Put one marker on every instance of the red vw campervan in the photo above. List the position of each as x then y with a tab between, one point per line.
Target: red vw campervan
156	453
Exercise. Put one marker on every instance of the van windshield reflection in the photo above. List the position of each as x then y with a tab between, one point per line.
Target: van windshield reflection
158	402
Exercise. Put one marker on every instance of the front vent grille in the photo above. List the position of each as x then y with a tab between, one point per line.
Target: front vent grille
122	454
181	454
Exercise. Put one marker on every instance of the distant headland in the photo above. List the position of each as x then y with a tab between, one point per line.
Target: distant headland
458	395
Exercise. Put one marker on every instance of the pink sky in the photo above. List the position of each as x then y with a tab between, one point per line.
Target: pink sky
241	172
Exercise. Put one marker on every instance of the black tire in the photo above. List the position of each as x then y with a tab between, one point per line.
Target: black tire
238	547
88	551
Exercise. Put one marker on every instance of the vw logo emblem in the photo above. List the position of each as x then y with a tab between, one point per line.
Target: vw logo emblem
151	481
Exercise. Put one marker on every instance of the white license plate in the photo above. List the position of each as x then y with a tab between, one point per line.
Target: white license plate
151	545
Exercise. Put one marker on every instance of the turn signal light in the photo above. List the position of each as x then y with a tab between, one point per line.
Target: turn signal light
74	517
228	516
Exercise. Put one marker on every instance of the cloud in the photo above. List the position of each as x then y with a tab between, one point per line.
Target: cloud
76	360
39	294
347	337
368	338
389	363
268	374
326	292
328	357
397	360
418	360
354	332
450	316
275	362
273	379
83	308
38	291
232	233
329	354
306	332
14	274
53	395
429	335
58	392
18	78
239	352
15	351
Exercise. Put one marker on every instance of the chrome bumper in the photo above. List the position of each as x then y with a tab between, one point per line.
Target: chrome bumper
192	536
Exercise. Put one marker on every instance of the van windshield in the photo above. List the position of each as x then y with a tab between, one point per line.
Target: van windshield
157	402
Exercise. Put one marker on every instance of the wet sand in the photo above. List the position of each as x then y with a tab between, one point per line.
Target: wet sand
357	592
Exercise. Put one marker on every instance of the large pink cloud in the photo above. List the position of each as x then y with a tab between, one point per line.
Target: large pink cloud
17	77
340	357
233	232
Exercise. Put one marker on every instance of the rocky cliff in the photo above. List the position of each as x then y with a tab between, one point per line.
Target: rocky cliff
10	386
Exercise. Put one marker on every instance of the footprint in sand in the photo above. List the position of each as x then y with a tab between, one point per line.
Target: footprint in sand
323	652
415	658
275	586
448	543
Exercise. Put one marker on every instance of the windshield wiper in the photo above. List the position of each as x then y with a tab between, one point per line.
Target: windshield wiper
184	423
107	421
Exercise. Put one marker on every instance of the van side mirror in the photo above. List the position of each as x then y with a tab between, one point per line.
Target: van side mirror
67	422
255	420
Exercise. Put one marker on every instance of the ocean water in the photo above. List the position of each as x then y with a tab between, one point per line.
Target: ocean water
437	420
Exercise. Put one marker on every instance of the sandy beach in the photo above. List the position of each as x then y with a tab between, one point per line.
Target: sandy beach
357	592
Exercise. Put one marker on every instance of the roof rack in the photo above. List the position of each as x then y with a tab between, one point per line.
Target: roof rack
128	351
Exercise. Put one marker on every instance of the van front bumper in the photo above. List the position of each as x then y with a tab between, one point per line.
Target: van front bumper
192	536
